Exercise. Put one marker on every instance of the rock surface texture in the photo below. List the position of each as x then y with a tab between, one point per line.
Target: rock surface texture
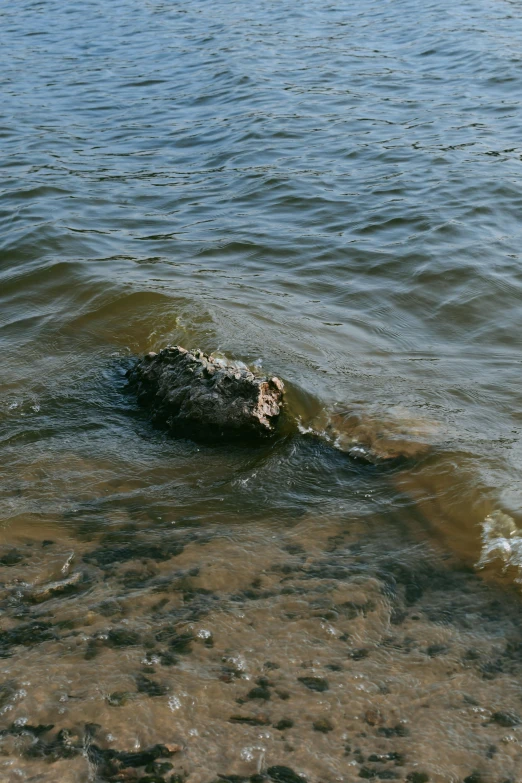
194	394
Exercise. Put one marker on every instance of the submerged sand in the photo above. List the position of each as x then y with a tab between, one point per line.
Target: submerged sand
344	653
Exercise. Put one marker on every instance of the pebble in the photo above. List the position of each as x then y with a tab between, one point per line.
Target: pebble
284	723
283	774
45	592
505	719
374	717
314	683
323	725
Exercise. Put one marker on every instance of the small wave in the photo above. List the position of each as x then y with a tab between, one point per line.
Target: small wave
501	541
374	435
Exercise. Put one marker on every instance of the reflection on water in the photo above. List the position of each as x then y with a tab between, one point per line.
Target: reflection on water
331	193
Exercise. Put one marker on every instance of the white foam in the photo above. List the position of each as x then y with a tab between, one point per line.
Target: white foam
501	540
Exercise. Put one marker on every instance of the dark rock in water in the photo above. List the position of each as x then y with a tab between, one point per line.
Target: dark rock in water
64	745
369	773
323	725
417	777
150	687
359	654
26	634
105	556
258	693
42	593
284	723
118	698
396	731
123	637
373	717
143	757
168	659
282	774
26	728
314	683
180	643
193	394
7	691
11	557
253	720
159	767
110	763
505	719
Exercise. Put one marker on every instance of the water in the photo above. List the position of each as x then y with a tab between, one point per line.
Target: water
331	192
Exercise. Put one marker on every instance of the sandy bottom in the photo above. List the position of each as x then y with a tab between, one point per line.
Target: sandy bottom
255	653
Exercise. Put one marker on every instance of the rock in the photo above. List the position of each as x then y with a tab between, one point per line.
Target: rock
11	557
171	748
258	693
505	719
253	720
105	556
60	587
27	728
396	731
150	687
323	725
159	767
26	634
284	723
373	717
180	643
436	649
314	683
118	698
123	637
359	654
282	774
198	395
143	757
382	758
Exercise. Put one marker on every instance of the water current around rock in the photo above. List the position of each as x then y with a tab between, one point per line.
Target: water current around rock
329	192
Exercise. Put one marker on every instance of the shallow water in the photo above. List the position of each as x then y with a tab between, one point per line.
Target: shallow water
331	193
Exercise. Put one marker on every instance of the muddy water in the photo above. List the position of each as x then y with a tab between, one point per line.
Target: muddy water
328	193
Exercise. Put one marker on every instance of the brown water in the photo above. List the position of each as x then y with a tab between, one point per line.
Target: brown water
331	194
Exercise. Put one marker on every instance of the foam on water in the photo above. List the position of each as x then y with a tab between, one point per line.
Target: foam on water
502	543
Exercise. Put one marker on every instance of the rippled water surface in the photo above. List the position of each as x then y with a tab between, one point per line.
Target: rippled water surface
331	192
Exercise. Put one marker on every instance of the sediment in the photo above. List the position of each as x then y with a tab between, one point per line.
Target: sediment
313	655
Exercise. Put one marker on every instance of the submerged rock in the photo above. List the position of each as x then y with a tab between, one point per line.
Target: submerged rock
314	683
282	774
192	393
44	592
